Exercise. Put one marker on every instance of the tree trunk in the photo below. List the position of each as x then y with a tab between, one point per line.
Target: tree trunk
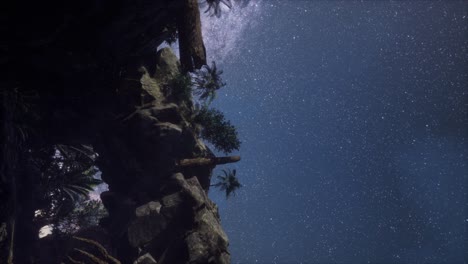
26	233
11	247
207	161
8	171
191	46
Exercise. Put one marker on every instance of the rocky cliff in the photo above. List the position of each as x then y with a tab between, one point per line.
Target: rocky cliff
93	77
156	209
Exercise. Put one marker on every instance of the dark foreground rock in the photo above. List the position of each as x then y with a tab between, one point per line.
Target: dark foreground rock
158	211
95	79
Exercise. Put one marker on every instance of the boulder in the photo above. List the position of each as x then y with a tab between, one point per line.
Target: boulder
143	119
199	149
195	192
178	179
151	91
167	113
153	207
167	65
167	129
208	244
172	205
145	259
168	138
147	225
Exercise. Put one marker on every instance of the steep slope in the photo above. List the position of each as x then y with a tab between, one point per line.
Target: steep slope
155	206
94	78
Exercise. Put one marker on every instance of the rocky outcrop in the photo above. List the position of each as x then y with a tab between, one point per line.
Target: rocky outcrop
167	66
158	211
96	80
145	259
186	219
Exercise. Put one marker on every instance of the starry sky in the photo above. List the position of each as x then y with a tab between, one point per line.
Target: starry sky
353	118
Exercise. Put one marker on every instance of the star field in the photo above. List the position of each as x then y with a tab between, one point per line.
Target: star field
353	118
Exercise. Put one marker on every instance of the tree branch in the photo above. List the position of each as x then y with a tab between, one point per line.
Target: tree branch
207	161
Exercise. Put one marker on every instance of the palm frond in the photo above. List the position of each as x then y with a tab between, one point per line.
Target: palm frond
206	82
228	183
215	6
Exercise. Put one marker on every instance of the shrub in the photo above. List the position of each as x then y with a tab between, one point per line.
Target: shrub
181	88
217	130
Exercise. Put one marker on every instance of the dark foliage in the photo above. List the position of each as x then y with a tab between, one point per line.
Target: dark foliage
88	249
228	183
214	6
207	81
217	130
66	176
171	34
86	213
181	88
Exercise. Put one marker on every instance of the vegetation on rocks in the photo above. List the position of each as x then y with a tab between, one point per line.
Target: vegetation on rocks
96	109
217	130
181	88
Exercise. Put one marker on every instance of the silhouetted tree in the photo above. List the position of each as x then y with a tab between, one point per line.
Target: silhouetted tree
214	6
86	213
66	178
207	81
228	183
217	130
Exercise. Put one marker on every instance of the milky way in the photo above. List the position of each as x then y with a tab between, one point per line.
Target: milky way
224	35
353	117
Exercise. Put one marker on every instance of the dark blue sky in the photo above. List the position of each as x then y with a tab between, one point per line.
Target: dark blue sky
353	118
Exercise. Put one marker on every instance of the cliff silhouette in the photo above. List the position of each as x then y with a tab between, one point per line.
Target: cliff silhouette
83	84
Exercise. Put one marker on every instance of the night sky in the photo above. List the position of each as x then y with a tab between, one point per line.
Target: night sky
353	118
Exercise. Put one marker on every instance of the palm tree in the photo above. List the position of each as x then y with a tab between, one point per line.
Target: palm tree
228	182
79	184
67	178
71	171
207	81
215	5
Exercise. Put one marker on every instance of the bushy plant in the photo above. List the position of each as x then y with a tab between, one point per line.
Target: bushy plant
181	88
87	213
67	176
217	130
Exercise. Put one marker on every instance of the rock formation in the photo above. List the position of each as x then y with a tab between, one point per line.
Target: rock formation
91	70
158	210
